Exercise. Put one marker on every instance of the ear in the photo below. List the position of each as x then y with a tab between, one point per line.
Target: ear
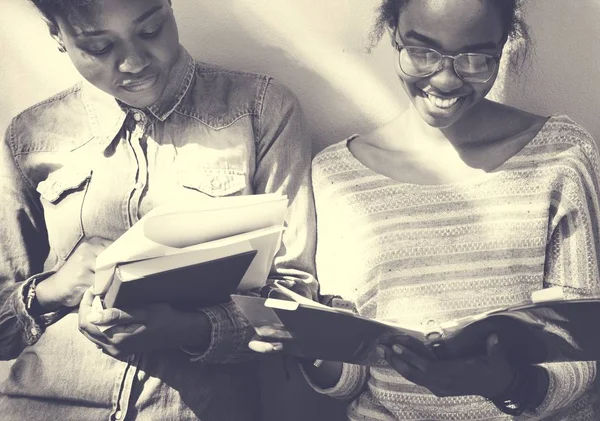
55	34
391	32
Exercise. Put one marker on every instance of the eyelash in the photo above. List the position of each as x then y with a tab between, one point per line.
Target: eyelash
100	52
153	34
145	35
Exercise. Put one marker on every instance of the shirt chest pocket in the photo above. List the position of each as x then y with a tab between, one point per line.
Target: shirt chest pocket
62	196
213	182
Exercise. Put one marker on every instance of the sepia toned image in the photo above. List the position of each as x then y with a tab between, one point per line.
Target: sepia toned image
299	210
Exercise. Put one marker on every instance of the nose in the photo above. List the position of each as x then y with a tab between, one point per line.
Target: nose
446	79
134	59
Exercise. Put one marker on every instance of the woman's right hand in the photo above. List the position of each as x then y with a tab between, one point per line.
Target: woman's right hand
66	287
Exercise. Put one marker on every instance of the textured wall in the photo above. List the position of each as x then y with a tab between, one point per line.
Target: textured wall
318	49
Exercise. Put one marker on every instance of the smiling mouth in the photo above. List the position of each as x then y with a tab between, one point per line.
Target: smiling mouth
139	85
442	103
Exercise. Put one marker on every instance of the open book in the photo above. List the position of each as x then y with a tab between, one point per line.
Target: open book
194	253
549	331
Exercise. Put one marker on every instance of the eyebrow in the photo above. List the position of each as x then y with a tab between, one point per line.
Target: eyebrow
139	19
490	45
147	14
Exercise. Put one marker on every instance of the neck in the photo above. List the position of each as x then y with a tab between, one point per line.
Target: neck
463	133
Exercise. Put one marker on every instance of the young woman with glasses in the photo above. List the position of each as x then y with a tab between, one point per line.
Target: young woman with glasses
149	125
458	206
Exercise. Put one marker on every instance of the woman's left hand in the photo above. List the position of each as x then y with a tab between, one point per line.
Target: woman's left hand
488	375
152	327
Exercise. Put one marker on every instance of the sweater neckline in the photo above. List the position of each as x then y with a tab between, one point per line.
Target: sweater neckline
474	180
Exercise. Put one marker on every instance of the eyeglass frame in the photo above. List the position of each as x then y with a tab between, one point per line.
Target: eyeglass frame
399	48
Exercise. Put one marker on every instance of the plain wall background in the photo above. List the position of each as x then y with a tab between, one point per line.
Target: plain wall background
317	48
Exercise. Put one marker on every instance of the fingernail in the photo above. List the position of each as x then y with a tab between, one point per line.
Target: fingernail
397	349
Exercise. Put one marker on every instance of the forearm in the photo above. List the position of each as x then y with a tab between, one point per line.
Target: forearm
335	379
17	328
567	382
222	336
323	374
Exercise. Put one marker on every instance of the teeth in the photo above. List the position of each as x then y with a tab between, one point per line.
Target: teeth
442	102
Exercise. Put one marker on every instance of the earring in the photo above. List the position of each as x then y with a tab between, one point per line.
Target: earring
62	49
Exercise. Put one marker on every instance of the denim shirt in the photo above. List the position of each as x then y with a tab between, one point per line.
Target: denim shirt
80	165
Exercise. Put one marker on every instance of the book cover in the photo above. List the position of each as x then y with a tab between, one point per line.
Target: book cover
200	284
535	333
180	234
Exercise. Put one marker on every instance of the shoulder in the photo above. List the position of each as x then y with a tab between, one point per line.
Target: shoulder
45	125
564	133
563	141
331	160
570	154
333	152
220	95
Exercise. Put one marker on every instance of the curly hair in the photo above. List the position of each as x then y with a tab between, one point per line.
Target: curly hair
511	12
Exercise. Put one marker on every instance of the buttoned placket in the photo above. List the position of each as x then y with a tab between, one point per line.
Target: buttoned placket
141	177
134	138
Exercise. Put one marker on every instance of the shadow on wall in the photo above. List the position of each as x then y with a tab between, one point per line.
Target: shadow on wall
343	90
562	76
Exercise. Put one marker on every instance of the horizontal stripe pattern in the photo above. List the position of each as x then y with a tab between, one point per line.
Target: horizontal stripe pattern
418	254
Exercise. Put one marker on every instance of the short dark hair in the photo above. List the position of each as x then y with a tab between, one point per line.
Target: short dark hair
51	8
516	30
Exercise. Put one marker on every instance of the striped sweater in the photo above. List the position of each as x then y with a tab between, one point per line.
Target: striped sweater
416	254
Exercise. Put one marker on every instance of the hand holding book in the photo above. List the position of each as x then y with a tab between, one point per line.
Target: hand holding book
487	375
530	334
193	254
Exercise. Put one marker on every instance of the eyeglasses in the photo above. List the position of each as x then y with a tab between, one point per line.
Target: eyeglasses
424	62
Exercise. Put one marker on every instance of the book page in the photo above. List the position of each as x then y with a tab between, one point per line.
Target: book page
171	229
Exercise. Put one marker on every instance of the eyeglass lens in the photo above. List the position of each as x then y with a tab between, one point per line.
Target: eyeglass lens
471	67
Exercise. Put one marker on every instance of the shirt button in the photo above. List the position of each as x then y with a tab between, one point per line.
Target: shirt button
118	415
216	183
430	323
137	117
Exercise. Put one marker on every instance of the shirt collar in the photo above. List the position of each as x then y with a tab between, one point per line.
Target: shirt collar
106	116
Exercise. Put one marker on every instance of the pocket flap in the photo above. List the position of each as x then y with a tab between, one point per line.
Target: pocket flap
213	181
61	181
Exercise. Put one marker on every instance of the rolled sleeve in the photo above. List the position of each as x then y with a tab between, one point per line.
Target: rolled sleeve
568	382
572	263
23	249
230	334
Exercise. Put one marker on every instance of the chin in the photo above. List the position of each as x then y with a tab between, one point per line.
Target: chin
438	123
442	119
140	101
144	98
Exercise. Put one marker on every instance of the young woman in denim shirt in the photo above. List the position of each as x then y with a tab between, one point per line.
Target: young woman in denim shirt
147	126
459	206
